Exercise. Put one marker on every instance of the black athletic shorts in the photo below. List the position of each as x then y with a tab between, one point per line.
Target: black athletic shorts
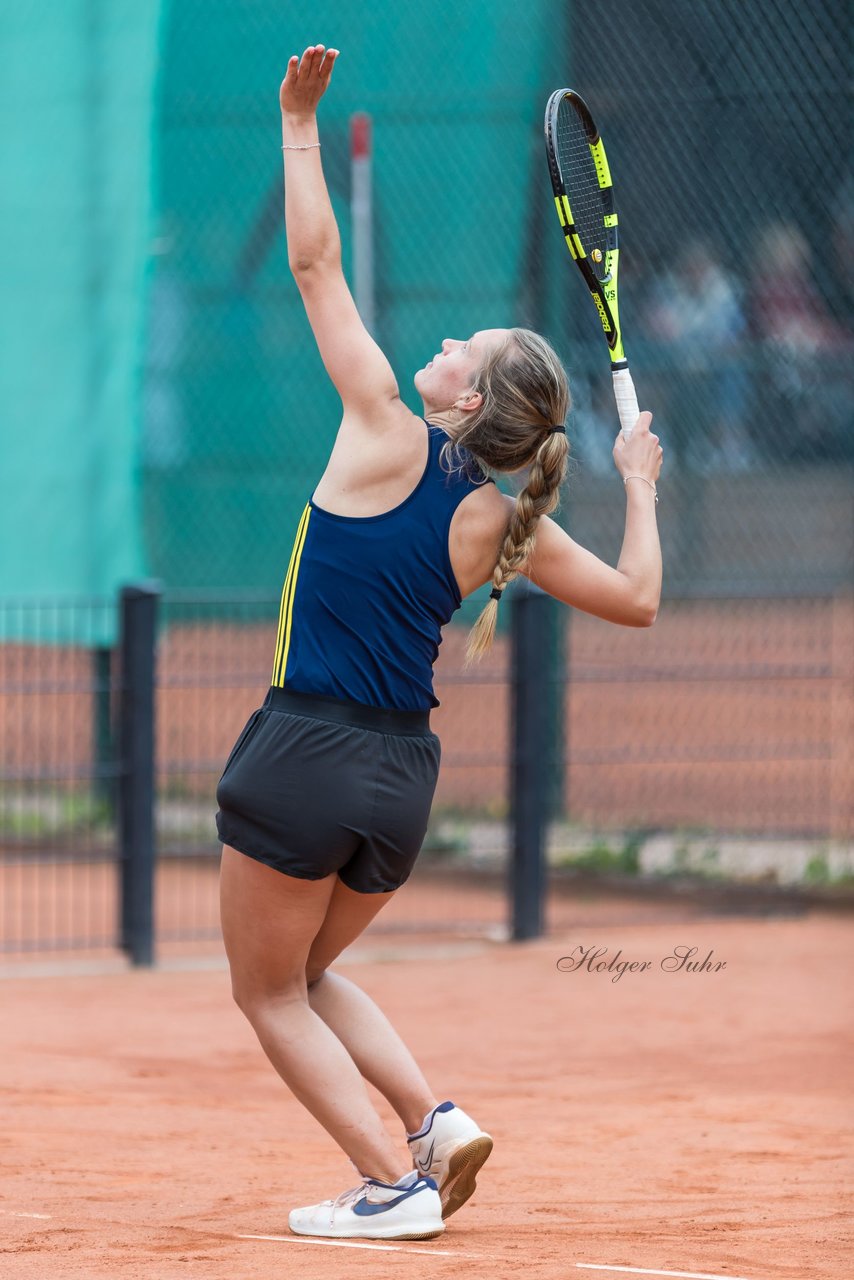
315	785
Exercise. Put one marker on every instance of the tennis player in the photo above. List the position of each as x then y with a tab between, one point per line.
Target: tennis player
326	794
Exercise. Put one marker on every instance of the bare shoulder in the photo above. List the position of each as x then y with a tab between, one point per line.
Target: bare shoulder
386	436
477	530
378	458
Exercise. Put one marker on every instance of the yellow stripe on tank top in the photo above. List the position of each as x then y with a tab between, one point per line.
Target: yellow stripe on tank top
282	609
293	593
286	608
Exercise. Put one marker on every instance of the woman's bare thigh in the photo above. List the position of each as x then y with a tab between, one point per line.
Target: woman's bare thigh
347	916
269	922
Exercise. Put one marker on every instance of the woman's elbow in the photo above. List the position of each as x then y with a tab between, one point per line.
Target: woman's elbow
630	614
310	263
646	614
639	613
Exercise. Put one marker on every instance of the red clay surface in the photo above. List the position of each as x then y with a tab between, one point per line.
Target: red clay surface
673	1121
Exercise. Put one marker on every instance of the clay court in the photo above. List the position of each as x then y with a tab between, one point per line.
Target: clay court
672	1122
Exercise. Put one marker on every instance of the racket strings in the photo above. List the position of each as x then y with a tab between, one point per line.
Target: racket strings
578	171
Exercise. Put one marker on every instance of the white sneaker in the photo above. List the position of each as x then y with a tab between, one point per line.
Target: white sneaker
409	1209
450	1149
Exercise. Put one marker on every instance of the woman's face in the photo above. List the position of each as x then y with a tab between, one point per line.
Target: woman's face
448	378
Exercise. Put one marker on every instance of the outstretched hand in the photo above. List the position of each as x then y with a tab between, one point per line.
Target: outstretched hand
306	80
641	454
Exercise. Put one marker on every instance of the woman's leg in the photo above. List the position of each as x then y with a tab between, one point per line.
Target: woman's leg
455	1148
371	1040
269	921
374	1045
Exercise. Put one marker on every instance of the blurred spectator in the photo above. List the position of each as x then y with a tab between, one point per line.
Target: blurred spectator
843	249
804	390
787	307
695	314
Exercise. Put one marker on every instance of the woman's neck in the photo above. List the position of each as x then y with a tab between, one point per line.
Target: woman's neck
448	419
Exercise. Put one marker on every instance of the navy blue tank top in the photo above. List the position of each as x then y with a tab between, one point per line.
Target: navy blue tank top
365	598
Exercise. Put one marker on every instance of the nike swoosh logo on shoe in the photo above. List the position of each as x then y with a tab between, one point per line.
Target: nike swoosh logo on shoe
365	1209
424	1165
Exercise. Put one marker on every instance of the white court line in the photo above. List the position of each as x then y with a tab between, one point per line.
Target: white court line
648	1271
441	1253
387	1248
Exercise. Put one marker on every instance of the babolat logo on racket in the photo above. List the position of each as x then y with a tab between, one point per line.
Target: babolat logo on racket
603	314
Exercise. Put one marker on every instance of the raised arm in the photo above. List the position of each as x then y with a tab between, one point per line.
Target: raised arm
630	593
361	373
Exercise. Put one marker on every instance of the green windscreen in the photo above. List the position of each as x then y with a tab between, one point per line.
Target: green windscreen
77	99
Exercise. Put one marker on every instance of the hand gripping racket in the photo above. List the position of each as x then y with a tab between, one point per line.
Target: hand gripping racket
584	198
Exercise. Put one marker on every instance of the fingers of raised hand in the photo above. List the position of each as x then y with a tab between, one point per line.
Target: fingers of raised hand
321	58
307	61
639	431
328	63
316	61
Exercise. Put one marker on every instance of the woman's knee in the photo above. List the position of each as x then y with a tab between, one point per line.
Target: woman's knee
313	975
254	995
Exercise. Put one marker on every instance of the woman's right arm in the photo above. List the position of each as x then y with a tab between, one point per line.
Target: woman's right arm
629	594
358	368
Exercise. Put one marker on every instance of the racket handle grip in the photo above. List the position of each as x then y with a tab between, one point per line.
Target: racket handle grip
627	401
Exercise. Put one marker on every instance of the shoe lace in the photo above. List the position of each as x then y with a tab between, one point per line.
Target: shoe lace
348	1197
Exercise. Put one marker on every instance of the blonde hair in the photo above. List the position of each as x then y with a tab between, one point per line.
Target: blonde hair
525	391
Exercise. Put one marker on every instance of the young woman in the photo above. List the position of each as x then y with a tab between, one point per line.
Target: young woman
325	797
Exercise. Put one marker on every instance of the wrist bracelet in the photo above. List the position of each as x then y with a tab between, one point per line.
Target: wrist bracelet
293	146
626	480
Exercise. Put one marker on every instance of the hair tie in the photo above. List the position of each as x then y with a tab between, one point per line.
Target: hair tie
495	593
553	430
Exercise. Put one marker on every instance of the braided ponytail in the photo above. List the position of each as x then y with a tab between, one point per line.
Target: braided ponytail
539	497
525	394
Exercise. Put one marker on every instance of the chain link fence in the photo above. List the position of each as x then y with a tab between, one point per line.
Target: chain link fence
730	137
687	748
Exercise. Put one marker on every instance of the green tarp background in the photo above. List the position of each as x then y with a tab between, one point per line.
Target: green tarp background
77	99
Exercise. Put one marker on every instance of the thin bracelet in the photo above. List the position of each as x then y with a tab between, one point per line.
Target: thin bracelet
305	146
626	480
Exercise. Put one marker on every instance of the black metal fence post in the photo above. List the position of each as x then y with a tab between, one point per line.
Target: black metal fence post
104	783
136	790
532	679
555	649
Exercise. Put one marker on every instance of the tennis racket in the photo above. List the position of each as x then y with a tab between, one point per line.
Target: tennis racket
584	199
